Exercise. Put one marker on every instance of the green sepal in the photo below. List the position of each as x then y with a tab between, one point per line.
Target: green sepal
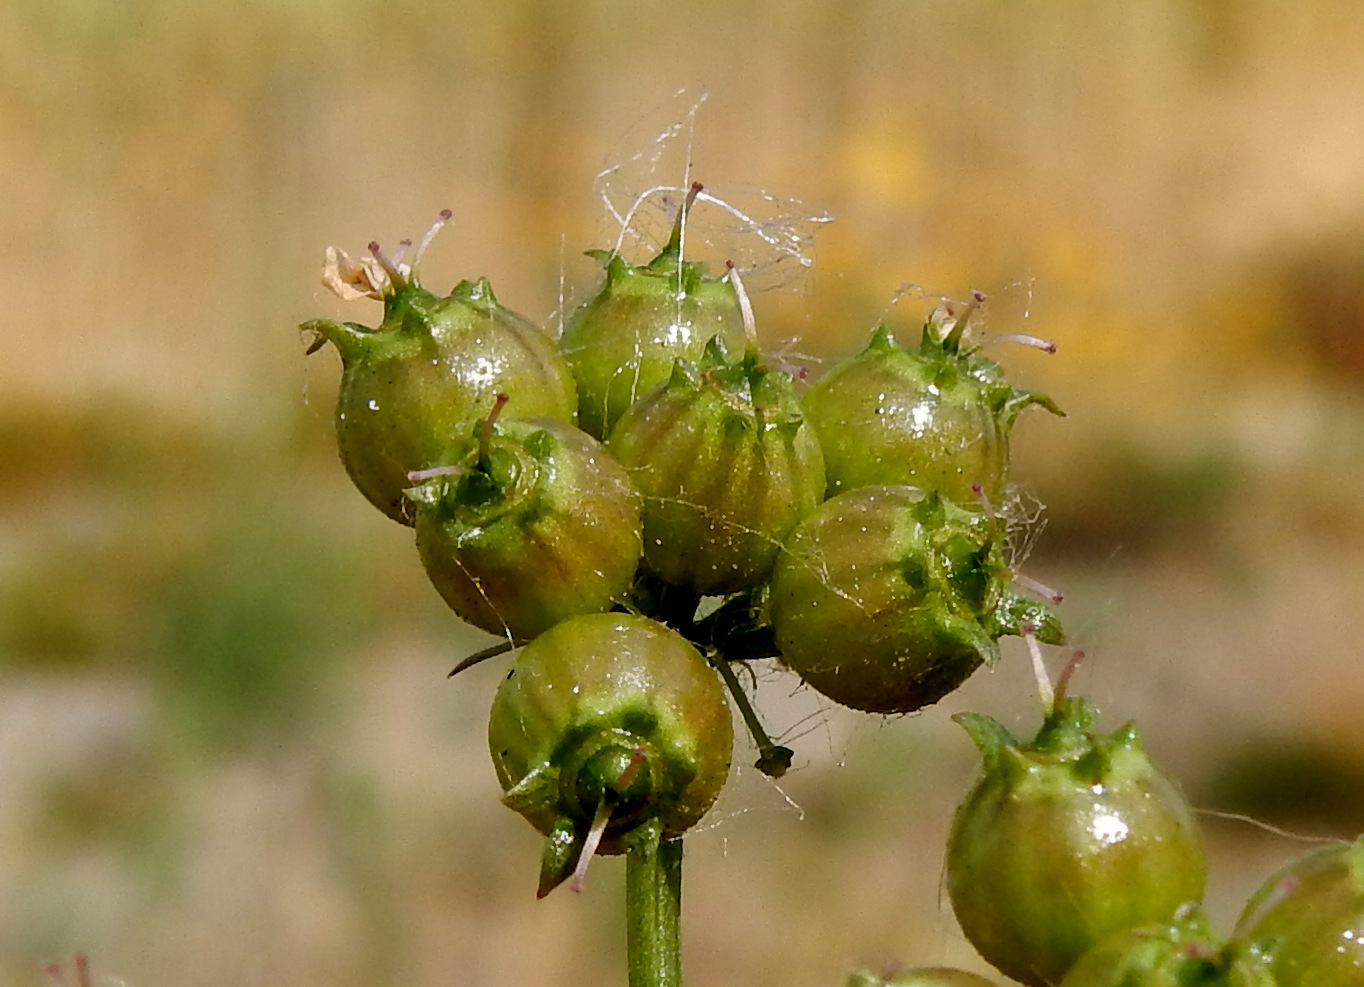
604	257
475	294
563	847
1014	611
536	793
882	340
971	634
1019	399
410	306
480	290
1068	729
1093	766
483	491
929	510
946	351
1004	758
991	737
688	276
715	359
946	344
428	492
669	259
1126	737
351	339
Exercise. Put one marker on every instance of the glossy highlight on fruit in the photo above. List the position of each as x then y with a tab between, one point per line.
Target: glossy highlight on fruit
887	598
1066	841
936	417
1309	919
1182	952
433	366
727	466
601	698
622	342
534	526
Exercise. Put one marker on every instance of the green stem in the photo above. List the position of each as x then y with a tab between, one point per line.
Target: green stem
773	759
653	908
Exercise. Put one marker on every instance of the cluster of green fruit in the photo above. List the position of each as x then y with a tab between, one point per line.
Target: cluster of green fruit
1303	928
1073	862
646	502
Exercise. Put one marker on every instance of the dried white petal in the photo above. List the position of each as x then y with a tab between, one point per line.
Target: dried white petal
348	280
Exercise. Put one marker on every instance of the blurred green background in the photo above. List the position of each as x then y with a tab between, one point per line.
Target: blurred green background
228	751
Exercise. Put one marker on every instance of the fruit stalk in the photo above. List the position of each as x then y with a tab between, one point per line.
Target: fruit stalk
653	908
773	758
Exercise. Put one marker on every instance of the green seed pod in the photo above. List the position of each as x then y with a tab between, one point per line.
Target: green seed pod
926	976
533	526
607	722
937	417
1182	952
1309	919
431	368
727	466
1066	841
886	599
622	342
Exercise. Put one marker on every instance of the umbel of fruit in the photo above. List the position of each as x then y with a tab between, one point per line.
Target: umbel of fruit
622	342
527	523
606	726
431	368
727	466
936	417
887	598
1066	841
1309	919
1180	952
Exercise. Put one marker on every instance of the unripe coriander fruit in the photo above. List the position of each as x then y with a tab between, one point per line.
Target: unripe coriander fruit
1182	952
1309	919
926	976
622	342
936	417
608	718
1066	841
727	466
431	368
527	524
886	599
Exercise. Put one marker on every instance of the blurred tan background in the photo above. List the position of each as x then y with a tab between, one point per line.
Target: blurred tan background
228	751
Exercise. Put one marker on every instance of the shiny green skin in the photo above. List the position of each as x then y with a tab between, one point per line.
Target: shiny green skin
727	466
1309	919
610	682
886	599
1182	952
549	530
623	341
927	976
1066	841
934	418
434	366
